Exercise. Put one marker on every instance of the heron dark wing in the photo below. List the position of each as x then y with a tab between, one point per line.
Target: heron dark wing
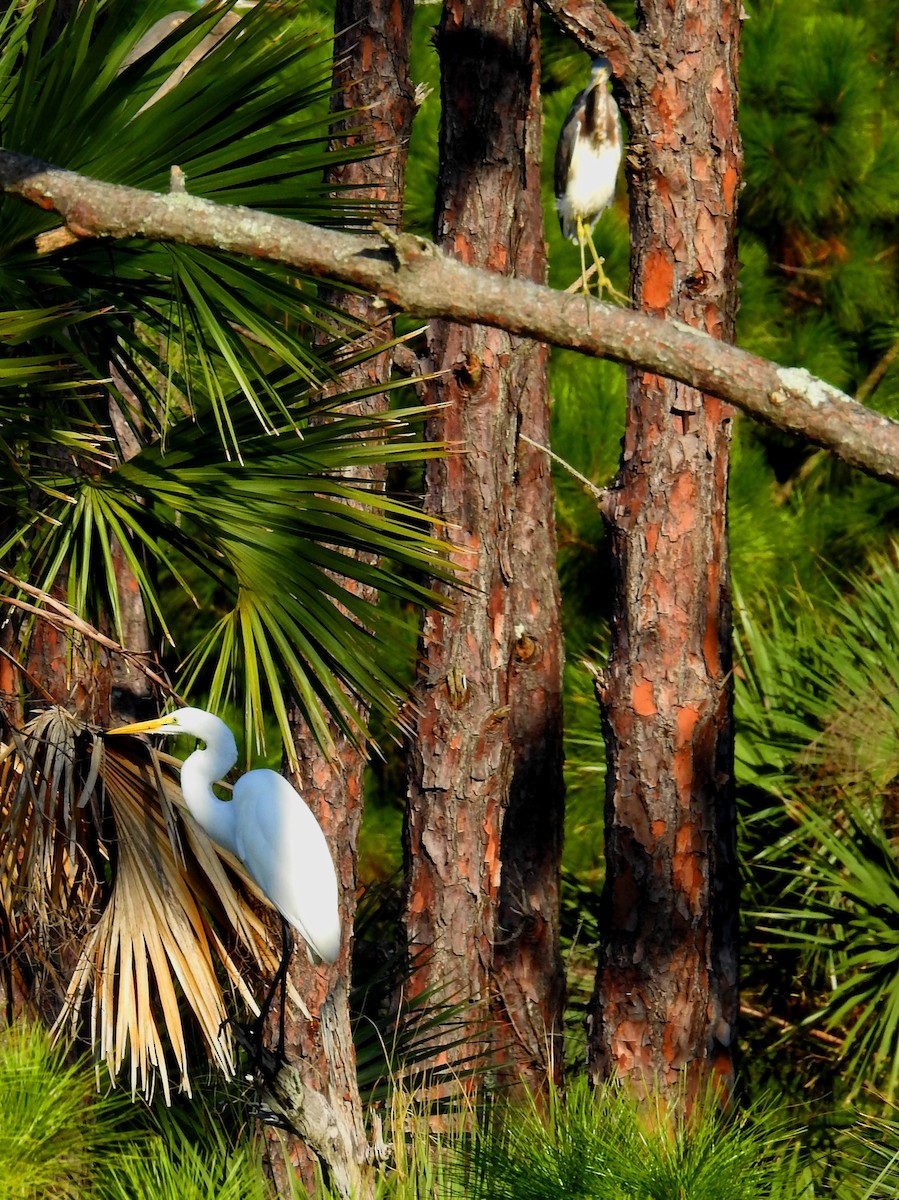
565	149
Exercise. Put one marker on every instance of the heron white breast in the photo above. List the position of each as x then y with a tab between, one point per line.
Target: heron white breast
591	184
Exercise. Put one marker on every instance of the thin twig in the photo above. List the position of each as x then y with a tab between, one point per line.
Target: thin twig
598	493
873	379
23	670
821	1035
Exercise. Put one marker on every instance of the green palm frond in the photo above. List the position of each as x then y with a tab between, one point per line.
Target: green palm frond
37	435
854	686
850	922
280	534
774	726
402	1043
818	729
238	469
249	123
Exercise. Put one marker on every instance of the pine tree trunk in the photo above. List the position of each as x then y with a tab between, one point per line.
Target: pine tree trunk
482	860
45	664
665	1003
371	56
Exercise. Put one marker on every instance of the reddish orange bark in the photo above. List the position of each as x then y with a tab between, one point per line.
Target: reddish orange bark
665	1002
483	831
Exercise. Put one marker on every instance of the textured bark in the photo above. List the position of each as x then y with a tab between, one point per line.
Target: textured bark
65	666
665	1004
371	55
480	744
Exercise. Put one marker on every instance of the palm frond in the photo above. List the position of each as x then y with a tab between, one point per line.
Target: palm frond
280	534
848	915
158	916
248	123
46	867
225	375
156	944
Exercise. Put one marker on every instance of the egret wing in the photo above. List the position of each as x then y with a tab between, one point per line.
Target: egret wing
284	849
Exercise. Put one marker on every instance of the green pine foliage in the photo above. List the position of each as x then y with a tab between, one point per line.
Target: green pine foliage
61	1140
604	1144
819	284
54	1128
818	103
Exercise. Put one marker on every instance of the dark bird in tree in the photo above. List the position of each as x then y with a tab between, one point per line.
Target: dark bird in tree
587	160
268	826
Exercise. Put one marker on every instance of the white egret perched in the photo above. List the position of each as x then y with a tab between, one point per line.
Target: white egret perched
269	828
587	160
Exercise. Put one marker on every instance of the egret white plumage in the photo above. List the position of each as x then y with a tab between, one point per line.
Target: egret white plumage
269	828
587	160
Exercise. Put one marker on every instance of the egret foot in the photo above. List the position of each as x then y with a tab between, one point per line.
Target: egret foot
260	1060
262	1112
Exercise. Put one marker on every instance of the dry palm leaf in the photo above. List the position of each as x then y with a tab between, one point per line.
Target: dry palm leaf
159	914
154	944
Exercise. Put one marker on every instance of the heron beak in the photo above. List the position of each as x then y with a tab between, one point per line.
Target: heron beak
142	726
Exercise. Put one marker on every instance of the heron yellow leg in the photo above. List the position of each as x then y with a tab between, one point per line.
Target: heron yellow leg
603	282
602	279
581	238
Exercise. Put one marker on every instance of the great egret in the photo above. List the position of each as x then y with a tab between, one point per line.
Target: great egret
269	827
587	161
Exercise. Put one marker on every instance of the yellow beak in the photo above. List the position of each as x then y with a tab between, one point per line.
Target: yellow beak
142	726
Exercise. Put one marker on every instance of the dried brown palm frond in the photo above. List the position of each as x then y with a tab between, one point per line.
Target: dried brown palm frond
145	916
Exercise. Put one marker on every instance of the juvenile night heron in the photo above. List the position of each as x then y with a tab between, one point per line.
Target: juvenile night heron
587	161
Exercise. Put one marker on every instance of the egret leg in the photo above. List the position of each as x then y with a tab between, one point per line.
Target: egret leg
279	981
286	952
250	1036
